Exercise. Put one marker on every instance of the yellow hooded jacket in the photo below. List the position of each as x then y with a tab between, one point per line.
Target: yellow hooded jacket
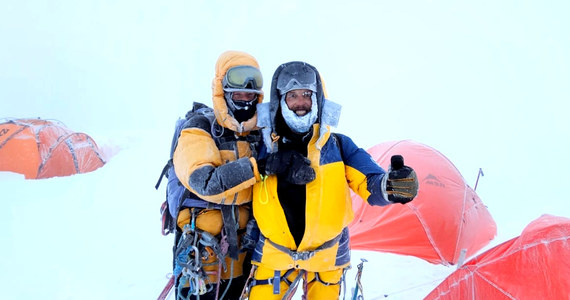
218	166
215	162
339	166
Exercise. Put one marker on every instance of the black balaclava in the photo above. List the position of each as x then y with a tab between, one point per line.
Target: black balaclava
240	110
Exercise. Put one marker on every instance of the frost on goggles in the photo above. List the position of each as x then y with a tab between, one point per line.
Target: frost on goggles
295	77
243	79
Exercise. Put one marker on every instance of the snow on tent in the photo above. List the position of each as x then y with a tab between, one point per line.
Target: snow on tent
534	265
446	217
42	149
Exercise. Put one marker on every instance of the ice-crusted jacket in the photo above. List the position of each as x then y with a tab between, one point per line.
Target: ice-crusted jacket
324	206
216	161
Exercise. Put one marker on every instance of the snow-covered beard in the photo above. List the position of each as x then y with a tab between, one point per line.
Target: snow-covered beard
299	124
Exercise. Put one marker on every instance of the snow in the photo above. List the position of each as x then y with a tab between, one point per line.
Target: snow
84	237
97	235
485	83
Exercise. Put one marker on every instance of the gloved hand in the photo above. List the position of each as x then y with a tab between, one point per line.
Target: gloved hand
295	167
401	185
251	236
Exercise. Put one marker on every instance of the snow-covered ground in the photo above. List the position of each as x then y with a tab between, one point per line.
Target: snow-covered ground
97	235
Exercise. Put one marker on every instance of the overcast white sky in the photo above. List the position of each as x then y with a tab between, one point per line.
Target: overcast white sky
484	82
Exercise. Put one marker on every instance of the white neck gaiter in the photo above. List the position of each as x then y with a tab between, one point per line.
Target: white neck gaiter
299	124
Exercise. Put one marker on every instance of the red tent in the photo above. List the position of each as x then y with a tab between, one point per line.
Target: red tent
535	265
446	216
41	149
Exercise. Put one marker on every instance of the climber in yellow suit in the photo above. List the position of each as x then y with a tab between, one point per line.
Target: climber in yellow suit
302	205
214	159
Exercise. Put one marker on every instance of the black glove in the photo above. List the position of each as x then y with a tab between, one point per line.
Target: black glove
251	236
402	183
293	166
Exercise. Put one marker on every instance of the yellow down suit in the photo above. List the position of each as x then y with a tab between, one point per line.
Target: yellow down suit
324	251
214	161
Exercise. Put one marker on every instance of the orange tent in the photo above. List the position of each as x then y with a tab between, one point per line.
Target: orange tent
446	217
42	149
534	265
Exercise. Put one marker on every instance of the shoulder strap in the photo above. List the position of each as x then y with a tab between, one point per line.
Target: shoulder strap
164	171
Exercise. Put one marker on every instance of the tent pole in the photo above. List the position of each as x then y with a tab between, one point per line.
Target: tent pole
478	175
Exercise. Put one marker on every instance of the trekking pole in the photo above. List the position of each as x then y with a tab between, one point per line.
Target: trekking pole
478	175
358	286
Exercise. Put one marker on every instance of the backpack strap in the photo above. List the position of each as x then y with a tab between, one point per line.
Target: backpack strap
230	229
163	173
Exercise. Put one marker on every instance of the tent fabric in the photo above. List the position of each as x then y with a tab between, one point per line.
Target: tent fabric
446	216
43	148
534	265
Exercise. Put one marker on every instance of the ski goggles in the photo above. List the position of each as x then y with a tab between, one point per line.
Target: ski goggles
243	79
297	76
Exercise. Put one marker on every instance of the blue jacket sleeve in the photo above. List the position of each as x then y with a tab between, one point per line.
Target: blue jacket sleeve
363	174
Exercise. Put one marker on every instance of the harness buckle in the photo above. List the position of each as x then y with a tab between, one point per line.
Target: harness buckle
304	255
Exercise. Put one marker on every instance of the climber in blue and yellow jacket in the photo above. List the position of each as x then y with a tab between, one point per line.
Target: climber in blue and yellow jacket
302	205
214	158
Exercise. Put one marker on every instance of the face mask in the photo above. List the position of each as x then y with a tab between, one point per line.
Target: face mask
299	124
240	110
242	115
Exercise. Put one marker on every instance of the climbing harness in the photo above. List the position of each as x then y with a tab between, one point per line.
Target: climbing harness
277	278
293	285
303	255
274	281
295	255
